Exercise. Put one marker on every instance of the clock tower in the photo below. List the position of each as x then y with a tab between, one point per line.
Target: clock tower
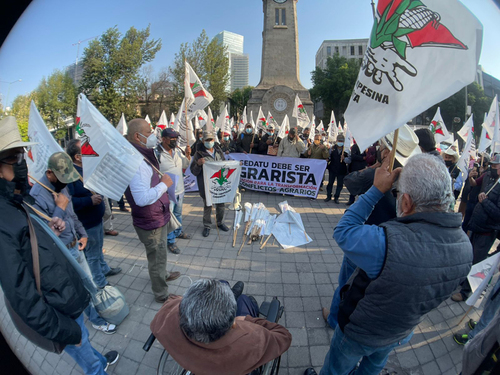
280	76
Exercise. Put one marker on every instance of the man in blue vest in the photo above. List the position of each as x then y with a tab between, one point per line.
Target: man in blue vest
405	267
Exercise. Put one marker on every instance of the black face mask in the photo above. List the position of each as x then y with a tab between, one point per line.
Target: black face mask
20	175
58	186
494	173
173	143
448	163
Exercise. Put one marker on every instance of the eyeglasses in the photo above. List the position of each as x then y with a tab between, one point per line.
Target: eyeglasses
395	192
16	158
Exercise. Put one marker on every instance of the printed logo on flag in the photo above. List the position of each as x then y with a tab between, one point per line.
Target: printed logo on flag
402	23
221	177
86	147
437	127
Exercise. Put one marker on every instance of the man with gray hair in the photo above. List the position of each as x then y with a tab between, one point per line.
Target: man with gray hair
209	331
405	267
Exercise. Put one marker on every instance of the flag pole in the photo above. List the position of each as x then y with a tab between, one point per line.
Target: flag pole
39	213
495	184
42	185
185	108
394	147
463	317
373	10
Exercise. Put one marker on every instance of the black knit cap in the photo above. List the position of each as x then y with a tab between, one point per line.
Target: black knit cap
426	139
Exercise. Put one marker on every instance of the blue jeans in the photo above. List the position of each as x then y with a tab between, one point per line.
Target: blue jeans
177	211
95	258
90	311
490	310
346	270
345	353
90	360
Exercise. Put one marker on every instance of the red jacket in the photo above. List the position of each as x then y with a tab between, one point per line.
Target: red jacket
252	343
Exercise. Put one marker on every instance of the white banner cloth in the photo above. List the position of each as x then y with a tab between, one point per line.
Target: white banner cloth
221	179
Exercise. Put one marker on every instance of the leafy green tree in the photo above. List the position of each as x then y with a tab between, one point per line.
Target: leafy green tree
56	101
333	85
111	67
239	99
21	111
210	62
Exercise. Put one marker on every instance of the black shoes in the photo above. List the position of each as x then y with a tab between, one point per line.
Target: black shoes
206	232
113	271
328	199
238	289
336	201
223	227
173	248
161	300
111	358
310	371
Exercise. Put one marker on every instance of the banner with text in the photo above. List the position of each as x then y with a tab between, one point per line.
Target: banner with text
294	176
190	182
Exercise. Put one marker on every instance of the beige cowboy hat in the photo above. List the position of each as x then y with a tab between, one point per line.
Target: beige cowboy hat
452	151
9	135
407	144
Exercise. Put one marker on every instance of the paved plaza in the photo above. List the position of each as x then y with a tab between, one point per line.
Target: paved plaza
303	279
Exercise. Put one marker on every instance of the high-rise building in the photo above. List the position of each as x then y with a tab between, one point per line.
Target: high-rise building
238	61
75	72
348	48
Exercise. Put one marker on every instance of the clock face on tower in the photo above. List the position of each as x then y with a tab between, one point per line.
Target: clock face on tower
280	1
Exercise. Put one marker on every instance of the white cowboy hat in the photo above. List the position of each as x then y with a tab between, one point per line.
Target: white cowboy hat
407	144
9	135
452	151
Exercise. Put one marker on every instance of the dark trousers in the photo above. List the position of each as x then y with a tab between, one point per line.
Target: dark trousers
468	214
245	306
207	214
481	245
331	180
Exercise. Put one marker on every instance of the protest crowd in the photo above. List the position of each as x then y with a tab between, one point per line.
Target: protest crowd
421	214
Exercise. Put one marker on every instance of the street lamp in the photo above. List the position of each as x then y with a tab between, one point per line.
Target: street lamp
8	91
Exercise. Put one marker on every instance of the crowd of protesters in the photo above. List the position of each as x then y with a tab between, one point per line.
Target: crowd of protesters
406	248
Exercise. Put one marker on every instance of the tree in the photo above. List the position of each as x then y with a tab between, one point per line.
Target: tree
210	62
111	66
56	101
21	111
239	99
333	85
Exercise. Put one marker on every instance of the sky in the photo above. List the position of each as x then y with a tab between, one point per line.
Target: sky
43	38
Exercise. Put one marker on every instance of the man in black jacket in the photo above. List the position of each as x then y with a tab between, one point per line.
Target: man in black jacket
337	169
208	151
248	141
358	163
269	139
57	316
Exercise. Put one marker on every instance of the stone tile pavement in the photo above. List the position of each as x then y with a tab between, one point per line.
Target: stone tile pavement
303	278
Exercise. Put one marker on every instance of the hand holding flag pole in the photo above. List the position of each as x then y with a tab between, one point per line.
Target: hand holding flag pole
393	152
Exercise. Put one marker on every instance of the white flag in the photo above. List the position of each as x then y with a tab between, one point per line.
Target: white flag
332	128
254	127
201	117
479	277
210	121
196	95
148	121
109	160
171	124
320	129
463	162
243	121
271	120
311	124
348	139
261	121
284	128
340	130
466	130
161	124
38	155
300	113
183	129
438	128
312	133
122	125
492	125
485	140
221	179
418	55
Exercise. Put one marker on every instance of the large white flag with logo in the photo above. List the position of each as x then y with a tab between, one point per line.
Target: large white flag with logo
438	128
332	128
466	130
186	135
221	179
420	53
38	155
109	160
196	95
300	113
492	125
122	125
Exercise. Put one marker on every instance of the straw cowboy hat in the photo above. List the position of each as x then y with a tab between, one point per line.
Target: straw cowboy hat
407	144
9	135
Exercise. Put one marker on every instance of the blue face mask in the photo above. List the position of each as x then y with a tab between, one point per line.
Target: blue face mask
209	145
248	130
226	139
340	144
201	138
270	133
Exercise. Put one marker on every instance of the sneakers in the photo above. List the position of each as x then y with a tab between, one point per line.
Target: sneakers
472	324
111	358
461	339
107	328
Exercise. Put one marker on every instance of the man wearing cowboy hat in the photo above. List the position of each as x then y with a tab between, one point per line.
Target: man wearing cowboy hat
450	157
54	313
359	183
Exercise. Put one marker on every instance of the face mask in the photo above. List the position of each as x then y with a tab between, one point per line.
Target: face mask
200	138
317	142
226	139
248	130
209	145
173	143
448	163
340	144
58	186
20	175
151	141
494	173
269	133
